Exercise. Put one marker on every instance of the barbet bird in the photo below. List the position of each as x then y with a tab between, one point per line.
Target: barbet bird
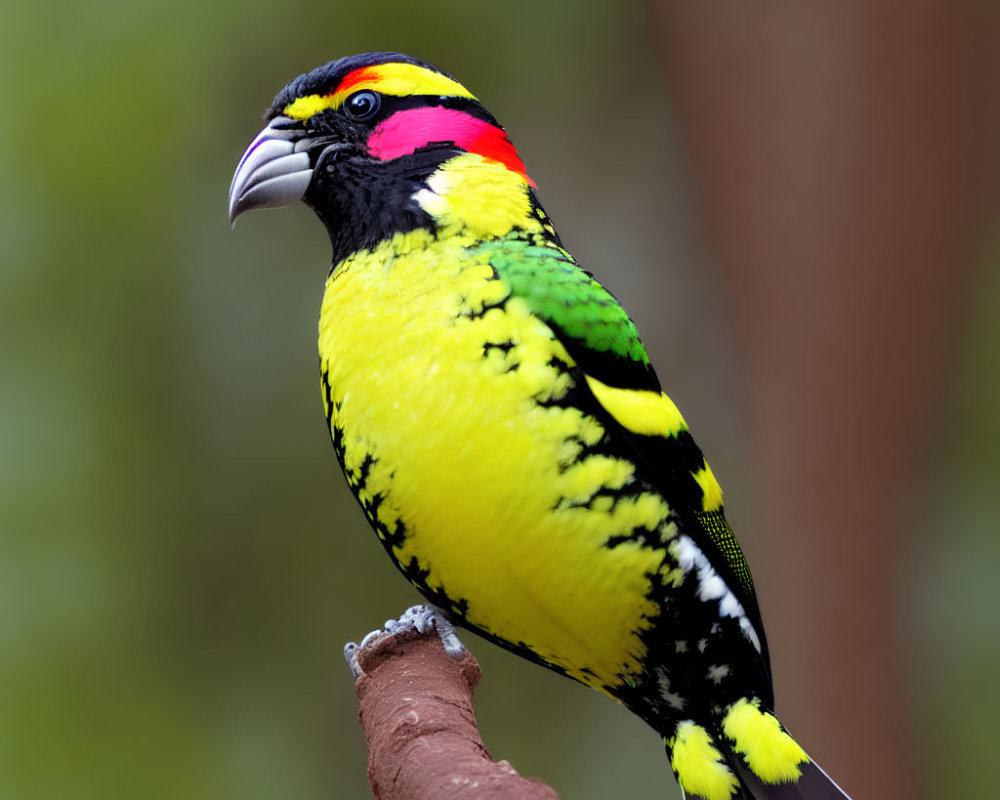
497	418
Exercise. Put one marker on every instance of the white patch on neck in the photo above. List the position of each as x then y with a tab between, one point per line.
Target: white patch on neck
433	197
711	587
435	204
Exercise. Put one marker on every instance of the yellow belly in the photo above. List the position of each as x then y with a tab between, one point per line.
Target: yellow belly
442	394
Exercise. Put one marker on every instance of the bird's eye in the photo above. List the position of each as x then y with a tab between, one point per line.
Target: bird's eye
363	104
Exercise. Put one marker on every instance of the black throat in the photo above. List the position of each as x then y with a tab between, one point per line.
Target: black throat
362	201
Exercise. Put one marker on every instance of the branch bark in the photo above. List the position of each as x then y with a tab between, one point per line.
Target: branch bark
415	706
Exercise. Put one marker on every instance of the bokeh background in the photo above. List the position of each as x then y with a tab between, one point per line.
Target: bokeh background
180	560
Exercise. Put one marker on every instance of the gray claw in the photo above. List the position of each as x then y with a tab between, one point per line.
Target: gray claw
427	618
351	655
449	636
421	619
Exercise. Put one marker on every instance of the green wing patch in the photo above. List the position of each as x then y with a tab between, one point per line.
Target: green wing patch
586	317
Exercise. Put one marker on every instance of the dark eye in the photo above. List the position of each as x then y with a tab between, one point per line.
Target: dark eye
363	104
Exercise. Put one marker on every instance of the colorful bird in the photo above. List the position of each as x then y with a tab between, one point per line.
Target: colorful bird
498	420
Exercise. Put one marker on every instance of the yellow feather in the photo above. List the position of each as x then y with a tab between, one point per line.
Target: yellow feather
640	411
699	766
711	492
772	755
477	196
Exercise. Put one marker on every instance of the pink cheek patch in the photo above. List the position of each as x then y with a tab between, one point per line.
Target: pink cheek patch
407	131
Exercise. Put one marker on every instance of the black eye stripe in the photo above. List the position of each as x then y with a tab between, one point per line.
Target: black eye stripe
386	105
470	107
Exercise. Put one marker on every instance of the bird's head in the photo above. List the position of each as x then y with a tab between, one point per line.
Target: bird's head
375	144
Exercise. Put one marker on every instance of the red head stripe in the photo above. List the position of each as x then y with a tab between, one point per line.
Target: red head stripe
354	78
409	130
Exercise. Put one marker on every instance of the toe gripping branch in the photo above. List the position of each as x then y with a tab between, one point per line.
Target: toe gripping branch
416	621
415	705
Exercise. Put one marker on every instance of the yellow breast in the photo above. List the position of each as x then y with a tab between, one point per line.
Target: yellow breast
444	393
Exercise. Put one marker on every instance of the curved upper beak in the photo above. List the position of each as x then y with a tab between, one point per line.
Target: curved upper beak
275	170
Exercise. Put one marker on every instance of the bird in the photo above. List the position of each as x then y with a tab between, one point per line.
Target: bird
497	417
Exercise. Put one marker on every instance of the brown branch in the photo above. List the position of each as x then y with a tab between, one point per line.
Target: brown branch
415	705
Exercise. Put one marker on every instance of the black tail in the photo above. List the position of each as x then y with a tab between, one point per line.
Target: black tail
813	784
746	755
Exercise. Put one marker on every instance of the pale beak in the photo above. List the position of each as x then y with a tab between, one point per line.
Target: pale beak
275	170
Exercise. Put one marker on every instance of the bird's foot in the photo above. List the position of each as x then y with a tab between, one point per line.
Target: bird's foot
415	621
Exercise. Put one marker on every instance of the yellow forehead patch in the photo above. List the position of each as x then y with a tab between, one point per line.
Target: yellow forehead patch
395	79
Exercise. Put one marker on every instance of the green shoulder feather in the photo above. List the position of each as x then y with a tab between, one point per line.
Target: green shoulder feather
586	317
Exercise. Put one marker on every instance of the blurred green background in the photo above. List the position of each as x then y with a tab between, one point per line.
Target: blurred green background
180	560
